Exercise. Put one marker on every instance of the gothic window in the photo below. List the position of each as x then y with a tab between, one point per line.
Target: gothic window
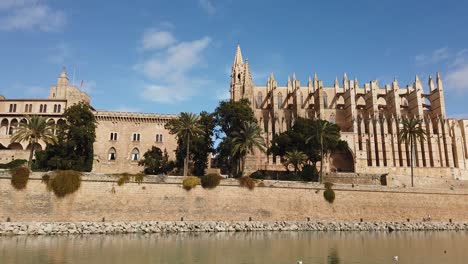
325	101
112	154
259	100
135	154
45	108
301	99
59	108
136	136
280	100
55	108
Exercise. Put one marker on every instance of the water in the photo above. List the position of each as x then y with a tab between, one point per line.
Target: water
257	247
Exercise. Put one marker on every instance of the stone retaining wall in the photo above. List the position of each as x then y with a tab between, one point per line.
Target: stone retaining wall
164	199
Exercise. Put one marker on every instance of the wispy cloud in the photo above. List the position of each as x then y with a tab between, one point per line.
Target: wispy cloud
457	78
207	6
29	15
155	39
169	70
434	57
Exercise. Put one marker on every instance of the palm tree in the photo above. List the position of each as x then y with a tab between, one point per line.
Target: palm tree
36	128
296	158
244	141
185	126
325	132
410	132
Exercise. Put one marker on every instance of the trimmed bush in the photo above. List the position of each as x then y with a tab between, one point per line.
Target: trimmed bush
19	177
329	195
261	184
247	182
13	164
210	181
45	178
328	185
190	182
64	182
139	178
309	173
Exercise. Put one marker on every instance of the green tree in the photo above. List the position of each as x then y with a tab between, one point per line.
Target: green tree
203	144
244	142
296	158
35	129
229	117
155	161
410	132
76	136
185	126
327	135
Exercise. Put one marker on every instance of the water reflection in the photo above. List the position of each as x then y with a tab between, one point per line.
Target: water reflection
254	247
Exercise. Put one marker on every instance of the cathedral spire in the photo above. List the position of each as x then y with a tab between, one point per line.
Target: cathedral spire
439	82
345	82
238	57
431	83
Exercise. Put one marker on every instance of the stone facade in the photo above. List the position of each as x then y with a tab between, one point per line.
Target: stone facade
121	138
369	118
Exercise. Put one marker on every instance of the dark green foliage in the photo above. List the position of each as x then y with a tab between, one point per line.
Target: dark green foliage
65	182
19	177
13	164
309	173
124	178
230	117
190	182
139	178
329	194
156	162
45	178
74	149
275	175
200	147
210	181
247	182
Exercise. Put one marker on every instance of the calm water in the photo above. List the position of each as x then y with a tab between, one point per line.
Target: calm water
259	247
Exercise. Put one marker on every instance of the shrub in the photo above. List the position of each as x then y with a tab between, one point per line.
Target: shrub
13	164
261	184
190	182
309	173
247	182
210	181
19	177
139	178
329	195
124	178
328	185
65	182
45	178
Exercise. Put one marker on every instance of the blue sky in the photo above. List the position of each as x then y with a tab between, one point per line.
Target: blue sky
173	56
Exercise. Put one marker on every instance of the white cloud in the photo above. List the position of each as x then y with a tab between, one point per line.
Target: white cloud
457	78
169	71
434	57
207	6
154	39
28	15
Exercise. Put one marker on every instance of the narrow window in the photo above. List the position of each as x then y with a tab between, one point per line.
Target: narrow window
325	101
55	108
157	137
26	108
135	154
41	108
45	108
160	138
14	108
59	108
112	154
280	100
259	100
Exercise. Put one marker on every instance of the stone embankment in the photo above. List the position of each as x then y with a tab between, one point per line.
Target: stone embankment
69	228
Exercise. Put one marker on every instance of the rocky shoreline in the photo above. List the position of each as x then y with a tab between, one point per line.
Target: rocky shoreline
70	228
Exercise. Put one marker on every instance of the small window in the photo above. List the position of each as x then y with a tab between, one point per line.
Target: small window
160	138
45	108
157	138
112	154
41	108
325	101
55	108
136	136
280	100
59	108
135	154
113	136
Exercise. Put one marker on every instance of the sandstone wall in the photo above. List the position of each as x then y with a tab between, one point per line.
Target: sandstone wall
283	201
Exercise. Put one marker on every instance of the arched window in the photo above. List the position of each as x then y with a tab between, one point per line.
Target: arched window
59	108
41	108
160	138
135	154
325	101
259	100
45	108
301	99
112	155
55	108
280	100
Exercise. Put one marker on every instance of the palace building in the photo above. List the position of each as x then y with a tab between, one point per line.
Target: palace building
121	138
369	117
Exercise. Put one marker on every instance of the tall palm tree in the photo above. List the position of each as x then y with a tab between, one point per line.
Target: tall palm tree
244	141
296	158
325	132
411	130
36	128
185	127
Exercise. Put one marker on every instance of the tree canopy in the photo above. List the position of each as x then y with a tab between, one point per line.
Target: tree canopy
76	136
